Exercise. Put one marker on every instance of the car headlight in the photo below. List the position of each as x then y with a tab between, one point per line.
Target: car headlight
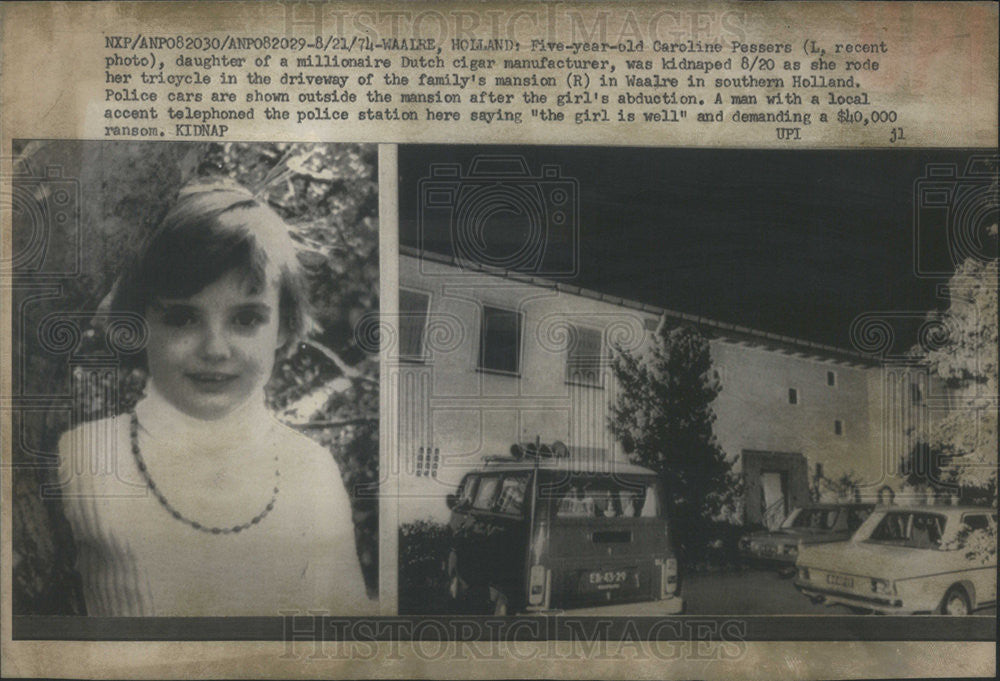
803	573
882	586
744	543
791	549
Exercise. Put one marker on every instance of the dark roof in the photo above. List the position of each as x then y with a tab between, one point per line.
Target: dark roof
732	332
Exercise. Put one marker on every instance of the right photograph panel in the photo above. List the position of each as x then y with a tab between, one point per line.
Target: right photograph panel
646	382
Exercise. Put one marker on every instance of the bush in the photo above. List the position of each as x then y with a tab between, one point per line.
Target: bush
423	555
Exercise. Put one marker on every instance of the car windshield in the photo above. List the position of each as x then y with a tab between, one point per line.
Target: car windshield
606	497
909	529
814	518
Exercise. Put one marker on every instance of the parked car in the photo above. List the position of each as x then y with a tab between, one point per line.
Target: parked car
904	560
812	524
537	531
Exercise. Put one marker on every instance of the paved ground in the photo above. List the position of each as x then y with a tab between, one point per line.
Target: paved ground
750	592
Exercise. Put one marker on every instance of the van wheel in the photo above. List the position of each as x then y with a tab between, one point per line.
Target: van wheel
472	599
457	587
956	602
498	604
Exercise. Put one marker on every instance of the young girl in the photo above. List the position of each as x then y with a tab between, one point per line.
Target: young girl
199	502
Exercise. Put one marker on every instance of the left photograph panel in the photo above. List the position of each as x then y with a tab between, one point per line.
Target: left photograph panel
194	418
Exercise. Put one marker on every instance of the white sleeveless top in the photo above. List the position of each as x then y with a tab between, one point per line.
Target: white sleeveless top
136	558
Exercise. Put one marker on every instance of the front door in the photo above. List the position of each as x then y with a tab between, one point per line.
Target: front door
774	498
776	483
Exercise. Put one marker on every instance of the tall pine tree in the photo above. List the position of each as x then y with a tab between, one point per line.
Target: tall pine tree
663	419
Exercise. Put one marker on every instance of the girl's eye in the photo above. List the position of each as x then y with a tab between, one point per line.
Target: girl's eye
249	318
178	317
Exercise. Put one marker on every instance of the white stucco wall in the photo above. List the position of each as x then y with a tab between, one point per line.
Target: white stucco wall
446	403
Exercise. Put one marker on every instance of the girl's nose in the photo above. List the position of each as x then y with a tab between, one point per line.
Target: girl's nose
215	344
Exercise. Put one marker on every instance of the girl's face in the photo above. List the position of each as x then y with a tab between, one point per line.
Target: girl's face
209	353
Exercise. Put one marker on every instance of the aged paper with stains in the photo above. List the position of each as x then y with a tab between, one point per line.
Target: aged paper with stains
493	205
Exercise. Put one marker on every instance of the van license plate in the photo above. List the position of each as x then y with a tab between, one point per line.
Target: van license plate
839	580
604	580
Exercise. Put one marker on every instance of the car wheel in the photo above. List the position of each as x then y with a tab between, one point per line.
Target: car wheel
956	602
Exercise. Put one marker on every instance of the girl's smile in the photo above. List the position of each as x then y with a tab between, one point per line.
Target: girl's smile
209	353
211	381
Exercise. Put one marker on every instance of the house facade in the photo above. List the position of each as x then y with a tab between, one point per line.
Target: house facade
483	359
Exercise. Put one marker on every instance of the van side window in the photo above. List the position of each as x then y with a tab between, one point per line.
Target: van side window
486	492
607	498
467	490
512	493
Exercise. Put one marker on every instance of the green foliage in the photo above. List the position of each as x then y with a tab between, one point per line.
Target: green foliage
663	419
328	194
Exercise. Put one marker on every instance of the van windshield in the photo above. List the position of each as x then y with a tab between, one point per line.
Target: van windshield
606	497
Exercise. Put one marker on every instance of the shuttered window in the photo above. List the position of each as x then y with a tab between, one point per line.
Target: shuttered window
500	341
412	323
584	357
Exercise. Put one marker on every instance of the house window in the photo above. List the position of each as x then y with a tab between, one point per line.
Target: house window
793	396
584	358
500	341
838	427
412	322
831	378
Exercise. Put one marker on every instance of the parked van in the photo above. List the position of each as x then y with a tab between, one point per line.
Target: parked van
540	530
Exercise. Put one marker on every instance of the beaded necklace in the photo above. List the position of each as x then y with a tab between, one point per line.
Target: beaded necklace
134	431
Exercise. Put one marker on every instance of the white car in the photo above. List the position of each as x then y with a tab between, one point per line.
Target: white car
905	560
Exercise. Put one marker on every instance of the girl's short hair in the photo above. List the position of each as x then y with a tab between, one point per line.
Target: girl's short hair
210	230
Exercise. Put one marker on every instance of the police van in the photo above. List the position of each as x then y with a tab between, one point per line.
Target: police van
541	529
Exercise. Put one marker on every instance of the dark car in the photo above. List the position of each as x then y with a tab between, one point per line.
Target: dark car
812	524
536	532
